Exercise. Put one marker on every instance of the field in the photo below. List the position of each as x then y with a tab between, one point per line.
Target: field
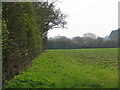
71	68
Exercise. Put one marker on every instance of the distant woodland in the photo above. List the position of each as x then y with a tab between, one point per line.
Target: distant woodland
88	40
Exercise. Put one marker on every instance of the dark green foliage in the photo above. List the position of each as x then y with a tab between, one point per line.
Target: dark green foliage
24	29
22	39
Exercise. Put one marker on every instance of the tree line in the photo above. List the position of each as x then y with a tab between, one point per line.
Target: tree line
24	33
88	40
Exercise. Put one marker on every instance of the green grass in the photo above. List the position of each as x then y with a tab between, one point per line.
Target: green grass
75	68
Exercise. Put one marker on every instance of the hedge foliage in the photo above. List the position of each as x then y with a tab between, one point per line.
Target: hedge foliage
22	37
24	33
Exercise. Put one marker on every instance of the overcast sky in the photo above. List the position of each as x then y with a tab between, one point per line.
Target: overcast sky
95	16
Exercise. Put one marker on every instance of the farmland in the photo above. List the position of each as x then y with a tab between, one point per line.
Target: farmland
71	68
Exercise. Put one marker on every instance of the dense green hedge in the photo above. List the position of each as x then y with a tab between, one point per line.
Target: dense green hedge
22	37
24	33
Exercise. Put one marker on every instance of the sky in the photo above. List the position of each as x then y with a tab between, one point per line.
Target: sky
99	17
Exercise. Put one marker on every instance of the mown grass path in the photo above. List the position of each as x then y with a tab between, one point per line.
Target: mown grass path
75	68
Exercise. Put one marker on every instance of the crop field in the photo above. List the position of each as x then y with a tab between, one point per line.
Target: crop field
71	68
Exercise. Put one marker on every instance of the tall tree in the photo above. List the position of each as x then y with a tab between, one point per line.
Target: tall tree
89	36
49	17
